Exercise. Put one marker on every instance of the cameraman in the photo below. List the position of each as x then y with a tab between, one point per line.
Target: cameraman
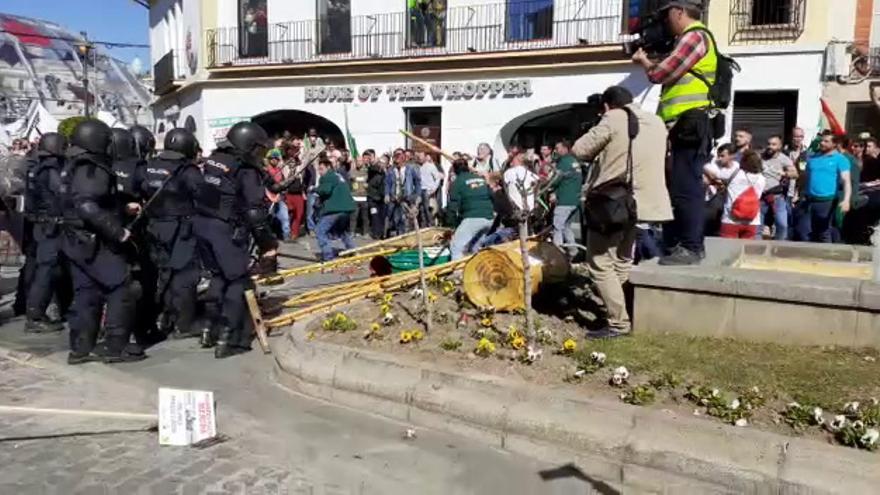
610	248
684	106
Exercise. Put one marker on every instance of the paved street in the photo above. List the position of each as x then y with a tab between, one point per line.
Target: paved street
278	442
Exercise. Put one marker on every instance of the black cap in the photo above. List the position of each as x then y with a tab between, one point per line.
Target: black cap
182	141
123	144
93	136
53	143
683	4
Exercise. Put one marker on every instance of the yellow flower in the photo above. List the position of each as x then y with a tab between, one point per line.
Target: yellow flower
518	343
310	336
485	347
448	287
432	297
417	335
327	324
513	333
375	327
387	298
433	278
569	345
384	308
486	322
405	337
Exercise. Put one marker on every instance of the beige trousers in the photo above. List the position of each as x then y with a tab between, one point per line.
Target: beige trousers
609	261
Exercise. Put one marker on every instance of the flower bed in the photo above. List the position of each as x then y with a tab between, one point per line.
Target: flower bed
794	390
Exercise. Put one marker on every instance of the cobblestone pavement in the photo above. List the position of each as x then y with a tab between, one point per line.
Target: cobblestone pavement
278	442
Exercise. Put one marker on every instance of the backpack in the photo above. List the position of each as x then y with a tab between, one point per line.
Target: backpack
719	93
747	205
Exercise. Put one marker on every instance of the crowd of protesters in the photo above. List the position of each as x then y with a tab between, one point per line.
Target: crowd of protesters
388	193
824	191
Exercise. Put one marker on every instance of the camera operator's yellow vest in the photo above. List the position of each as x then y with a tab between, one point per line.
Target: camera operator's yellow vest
689	92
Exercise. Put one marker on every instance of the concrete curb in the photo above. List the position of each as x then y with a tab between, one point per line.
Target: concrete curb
608	440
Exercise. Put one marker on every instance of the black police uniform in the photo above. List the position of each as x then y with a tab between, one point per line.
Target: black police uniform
43	209
127	166
92	241
170	180
230	209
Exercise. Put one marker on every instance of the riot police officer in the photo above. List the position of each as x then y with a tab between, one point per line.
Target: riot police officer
230	210
166	182
94	239
43	210
128	163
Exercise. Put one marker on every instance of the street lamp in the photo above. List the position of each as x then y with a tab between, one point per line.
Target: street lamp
85	48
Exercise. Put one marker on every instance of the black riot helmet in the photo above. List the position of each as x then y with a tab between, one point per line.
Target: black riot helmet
144	141
53	143
93	136
248	138
123	144
182	141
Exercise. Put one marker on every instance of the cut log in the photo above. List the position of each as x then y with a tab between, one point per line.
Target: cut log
493	278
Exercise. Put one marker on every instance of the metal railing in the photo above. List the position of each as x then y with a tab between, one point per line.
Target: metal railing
519	25
762	21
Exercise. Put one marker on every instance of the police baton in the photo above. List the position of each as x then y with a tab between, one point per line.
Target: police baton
146	205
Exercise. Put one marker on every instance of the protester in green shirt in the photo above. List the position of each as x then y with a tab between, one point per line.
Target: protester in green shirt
336	209
566	187
470	209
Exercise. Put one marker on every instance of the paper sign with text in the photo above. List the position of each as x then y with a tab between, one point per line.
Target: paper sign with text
186	416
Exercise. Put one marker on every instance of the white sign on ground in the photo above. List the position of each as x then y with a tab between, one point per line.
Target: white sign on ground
186	416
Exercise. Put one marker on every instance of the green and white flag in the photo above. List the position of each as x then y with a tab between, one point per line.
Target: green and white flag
349	138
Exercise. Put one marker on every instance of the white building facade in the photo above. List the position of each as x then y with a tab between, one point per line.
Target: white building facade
459	73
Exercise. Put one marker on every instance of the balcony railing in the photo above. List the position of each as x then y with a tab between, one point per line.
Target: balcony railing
763	21
520	25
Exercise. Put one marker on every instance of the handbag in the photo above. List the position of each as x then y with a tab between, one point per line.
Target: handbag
611	206
715	204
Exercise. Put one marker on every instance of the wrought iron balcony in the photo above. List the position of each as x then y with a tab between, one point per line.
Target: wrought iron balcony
519	25
763	21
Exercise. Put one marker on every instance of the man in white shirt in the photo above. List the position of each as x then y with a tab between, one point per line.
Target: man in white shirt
519	179
432	179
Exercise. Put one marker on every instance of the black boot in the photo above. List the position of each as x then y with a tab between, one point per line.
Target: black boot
226	346
75	358
117	350
42	326
268	265
208	338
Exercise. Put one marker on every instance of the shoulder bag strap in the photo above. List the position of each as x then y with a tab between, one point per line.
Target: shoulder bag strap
633	132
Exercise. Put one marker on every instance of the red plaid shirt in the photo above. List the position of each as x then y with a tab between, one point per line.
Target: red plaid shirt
688	51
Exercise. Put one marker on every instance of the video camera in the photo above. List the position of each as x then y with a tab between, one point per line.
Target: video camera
589	115
653	36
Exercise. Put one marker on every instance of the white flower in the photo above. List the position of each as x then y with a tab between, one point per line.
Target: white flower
580	373
735	404
619	377
794	405
416	293
874	401
623	372
715	392
858	425
598	357
870	437
388	318
741	422
837	423
756	390
533	355
818	416
851	407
